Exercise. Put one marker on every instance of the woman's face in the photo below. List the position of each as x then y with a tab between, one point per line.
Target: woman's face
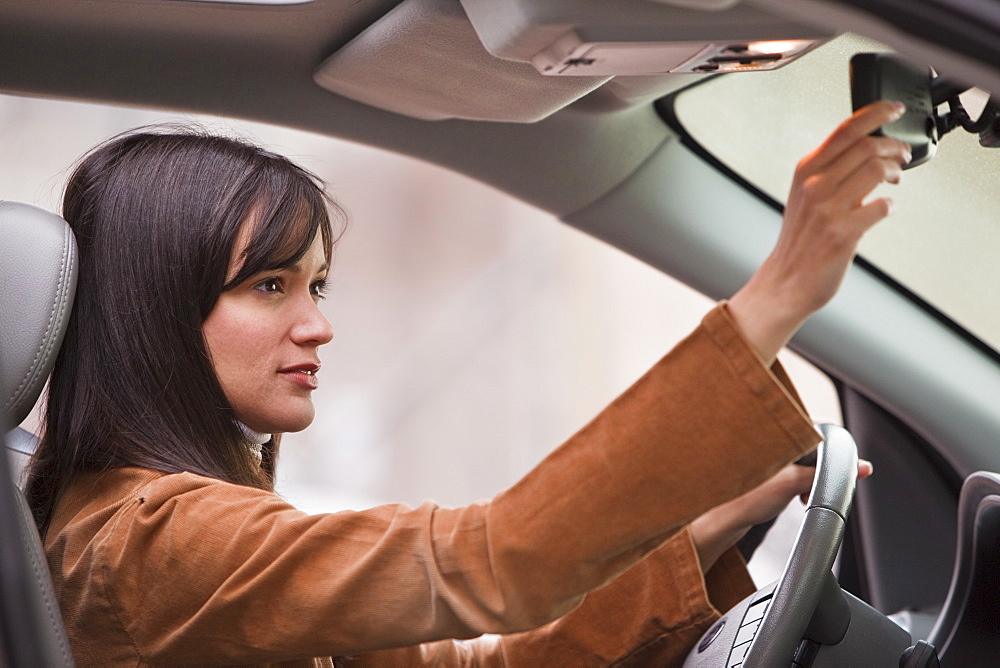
264	336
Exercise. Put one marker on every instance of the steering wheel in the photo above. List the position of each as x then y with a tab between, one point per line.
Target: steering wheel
766	628
806	619
807	574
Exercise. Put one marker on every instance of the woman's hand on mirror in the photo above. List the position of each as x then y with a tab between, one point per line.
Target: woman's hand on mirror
720	528
825	218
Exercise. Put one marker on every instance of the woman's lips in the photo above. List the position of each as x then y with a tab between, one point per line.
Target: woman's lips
303	375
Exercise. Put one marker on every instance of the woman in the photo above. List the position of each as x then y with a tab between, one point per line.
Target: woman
194	344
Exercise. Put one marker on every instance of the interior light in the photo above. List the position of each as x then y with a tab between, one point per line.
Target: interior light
573	55
747	56
250	2
784	47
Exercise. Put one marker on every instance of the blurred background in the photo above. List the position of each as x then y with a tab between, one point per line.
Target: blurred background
474	333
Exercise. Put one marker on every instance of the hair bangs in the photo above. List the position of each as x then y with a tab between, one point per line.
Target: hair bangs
290	209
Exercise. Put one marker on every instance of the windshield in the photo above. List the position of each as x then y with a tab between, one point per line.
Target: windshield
943	240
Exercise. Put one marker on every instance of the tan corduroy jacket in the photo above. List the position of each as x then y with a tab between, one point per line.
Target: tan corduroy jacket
155	569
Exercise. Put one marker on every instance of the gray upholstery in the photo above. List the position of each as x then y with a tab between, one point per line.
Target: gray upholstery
38	265
39	606
38	275
426	62
21	441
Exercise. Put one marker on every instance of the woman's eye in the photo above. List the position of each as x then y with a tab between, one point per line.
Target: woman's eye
319	288
269	285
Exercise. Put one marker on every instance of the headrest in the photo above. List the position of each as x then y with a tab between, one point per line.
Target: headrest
38	259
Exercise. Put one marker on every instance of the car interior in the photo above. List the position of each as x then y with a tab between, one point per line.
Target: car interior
34	312
667	129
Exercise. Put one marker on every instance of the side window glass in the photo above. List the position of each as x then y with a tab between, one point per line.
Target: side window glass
473	333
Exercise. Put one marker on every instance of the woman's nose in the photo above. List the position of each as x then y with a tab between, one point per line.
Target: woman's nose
312	326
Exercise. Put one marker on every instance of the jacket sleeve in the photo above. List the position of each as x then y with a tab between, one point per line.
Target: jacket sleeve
253	579
648	616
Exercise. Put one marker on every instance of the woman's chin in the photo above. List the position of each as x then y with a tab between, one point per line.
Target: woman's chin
285	423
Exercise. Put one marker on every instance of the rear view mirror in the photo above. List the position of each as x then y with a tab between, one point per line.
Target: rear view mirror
883	76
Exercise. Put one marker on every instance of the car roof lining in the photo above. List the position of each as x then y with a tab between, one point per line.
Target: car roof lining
559	164
258	62
880	21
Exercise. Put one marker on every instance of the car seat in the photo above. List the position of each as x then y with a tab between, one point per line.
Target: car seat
38	269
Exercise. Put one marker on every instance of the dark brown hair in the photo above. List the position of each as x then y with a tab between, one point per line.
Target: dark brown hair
156	215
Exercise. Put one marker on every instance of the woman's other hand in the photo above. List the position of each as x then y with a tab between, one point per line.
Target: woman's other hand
720	528
824	220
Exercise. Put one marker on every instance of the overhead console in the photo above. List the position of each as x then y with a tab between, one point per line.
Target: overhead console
522	60
608	37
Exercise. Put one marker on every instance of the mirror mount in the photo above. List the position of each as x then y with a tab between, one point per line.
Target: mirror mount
885	76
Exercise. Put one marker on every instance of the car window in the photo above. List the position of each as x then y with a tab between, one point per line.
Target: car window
473	333
944	238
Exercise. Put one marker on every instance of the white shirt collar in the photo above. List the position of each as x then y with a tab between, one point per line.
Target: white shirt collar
255	441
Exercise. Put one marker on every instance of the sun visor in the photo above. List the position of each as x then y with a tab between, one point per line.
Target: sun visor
424	59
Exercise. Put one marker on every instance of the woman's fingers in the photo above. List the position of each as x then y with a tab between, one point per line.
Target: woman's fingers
770	498
865	121
856	187
849	195
865	469
858	157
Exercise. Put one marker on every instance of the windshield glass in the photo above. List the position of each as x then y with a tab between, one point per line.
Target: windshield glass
943	240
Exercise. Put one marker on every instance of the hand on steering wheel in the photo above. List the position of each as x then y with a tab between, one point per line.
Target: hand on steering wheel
805	617
808	569
724	526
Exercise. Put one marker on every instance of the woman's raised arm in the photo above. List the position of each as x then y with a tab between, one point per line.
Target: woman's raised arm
825	217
